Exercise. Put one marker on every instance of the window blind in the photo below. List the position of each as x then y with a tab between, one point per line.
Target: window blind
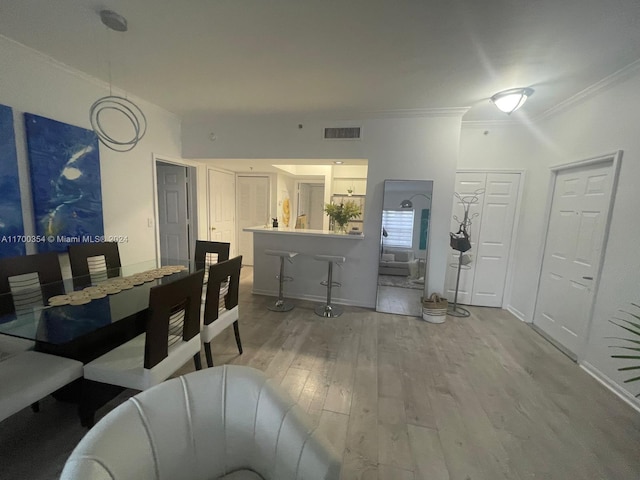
399	227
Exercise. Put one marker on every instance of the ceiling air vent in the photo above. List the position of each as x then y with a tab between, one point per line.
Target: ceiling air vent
342	133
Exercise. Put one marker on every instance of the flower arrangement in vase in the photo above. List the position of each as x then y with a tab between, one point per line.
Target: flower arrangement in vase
342	213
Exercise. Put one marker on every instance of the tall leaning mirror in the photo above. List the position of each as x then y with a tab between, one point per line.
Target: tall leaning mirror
404	246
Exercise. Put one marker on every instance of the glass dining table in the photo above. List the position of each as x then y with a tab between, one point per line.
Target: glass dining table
84	317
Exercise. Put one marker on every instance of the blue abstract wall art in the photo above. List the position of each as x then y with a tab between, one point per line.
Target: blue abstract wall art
11	224
65	182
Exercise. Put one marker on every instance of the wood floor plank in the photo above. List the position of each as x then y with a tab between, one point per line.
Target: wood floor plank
387	472
340	391
334	427
427	454
393	438
294	381
360	460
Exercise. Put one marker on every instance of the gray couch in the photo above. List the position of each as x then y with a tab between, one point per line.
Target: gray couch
397	261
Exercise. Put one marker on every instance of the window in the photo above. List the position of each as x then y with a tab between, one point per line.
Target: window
399	227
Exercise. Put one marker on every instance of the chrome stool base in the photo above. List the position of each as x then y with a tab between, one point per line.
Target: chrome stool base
281	306
328	311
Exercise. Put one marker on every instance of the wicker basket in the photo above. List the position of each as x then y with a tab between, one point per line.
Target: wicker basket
434	308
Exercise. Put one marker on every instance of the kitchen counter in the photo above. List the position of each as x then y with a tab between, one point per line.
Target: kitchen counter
305	270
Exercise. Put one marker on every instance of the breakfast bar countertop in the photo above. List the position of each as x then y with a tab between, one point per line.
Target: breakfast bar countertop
302	232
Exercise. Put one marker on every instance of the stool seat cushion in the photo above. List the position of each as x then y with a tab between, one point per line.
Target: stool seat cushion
280	253
330	258
124	365
30	376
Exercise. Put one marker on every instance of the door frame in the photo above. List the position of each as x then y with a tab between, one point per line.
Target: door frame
615	159
192	197
296	189
506	295
235	203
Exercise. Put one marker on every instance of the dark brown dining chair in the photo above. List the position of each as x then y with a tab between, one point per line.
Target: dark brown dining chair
171	339
221	303
92	262
208	253
31	280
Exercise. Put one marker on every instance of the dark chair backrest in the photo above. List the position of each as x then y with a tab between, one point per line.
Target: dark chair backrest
218	273
203	247
80	252
46	265
164	301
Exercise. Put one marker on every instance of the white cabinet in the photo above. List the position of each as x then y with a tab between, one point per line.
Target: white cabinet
482	282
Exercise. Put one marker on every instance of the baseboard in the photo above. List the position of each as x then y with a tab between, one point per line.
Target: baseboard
554	342
632	401
517	313
312	298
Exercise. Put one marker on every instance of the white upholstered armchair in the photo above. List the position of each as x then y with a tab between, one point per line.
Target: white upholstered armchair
228	422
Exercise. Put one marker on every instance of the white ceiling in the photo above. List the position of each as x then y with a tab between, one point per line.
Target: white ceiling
195	57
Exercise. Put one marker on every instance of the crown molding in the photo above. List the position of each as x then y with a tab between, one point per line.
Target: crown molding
418	112
491	123
592	90
588	92
84	76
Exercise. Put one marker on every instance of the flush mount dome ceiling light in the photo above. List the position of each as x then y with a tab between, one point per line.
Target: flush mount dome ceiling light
508	101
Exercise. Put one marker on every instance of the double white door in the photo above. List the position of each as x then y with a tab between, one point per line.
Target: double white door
482	281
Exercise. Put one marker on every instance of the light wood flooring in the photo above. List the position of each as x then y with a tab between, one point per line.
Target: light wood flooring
478	398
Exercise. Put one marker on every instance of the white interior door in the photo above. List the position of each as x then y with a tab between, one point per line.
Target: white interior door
494	241
222	208
253	209
173	217
575	238
466	184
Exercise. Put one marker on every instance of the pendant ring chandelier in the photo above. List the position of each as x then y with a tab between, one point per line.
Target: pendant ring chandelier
117	104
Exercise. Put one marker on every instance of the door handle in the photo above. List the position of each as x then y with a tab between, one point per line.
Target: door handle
213	228
587	278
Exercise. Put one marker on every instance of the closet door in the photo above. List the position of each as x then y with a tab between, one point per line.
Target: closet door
494	242
482	282
467	183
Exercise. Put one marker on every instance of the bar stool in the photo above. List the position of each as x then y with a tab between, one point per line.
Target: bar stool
328	310
281	304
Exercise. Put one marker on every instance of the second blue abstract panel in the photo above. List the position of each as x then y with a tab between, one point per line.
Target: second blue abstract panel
65	180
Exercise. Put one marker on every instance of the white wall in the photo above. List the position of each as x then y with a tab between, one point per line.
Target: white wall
31	82
602	123
398	148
